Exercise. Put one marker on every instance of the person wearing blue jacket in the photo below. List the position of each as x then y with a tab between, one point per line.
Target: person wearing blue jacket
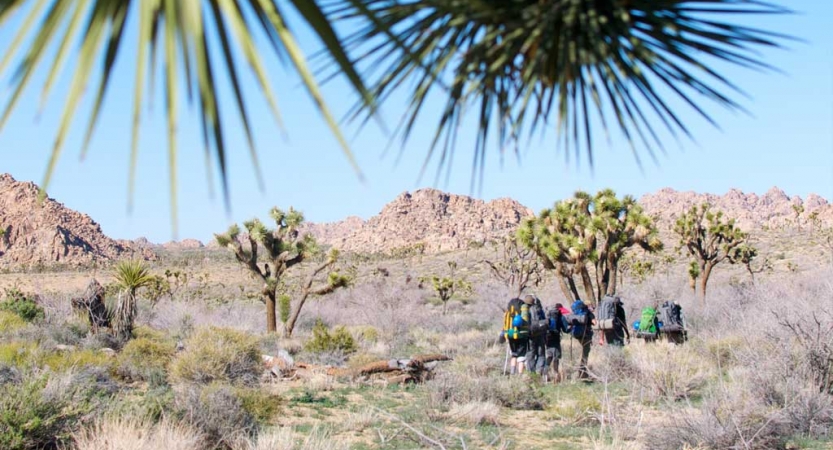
558	325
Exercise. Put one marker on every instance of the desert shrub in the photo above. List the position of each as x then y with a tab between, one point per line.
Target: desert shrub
667	371
61	361
261	405
447	389
340	340
218	354
10	322
218	412
151	405
29	420
23	305
121	434
29	355
365	333
41	412
727	419
143	359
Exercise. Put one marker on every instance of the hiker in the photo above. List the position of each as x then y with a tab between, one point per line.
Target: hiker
581	328
557	325
516	331
672	324
617	334
536	357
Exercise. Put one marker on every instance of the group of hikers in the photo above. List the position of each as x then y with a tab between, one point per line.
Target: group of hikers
533	333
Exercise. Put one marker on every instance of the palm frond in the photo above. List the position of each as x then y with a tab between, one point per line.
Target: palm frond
522	64
180	29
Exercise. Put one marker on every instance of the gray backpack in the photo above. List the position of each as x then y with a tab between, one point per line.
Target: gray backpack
538	323
606	314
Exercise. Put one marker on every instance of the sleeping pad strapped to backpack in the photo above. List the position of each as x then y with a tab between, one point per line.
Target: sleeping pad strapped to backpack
514	326
606	314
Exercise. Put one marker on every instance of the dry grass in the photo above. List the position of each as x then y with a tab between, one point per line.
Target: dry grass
475	413
131	434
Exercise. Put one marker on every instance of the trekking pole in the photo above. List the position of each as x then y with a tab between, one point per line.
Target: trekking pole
506	359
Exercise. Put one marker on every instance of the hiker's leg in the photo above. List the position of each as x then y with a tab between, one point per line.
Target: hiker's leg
585	354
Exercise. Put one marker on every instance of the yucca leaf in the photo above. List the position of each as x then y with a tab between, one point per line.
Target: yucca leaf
536	61
176	31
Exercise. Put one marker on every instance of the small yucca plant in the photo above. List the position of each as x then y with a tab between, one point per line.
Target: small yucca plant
130	277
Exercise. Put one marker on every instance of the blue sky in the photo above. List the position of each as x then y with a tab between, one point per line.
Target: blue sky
787	141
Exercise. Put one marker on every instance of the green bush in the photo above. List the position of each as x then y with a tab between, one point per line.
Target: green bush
323	341
143	359
261	405
29	420
21	304
218	354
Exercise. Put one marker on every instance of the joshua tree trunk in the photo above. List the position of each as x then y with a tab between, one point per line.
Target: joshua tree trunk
271	318
614	279
704	280
588	285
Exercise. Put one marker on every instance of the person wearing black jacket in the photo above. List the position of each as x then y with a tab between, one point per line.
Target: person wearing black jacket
558	325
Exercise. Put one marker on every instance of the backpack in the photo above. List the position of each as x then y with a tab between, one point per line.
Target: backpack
647	323
671	315
538	323
514	327
579	320
607	314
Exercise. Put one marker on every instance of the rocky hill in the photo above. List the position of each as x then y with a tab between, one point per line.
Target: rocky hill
445	221
439	220
47	232
773	210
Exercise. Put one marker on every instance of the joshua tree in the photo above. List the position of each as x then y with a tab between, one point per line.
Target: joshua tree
515	266
285	247
589	232
447	287
523	61
130	277
747	255
693	274
798	210
814	220
710	238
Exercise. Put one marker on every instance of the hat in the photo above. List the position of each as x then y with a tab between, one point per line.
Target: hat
618	299
529	299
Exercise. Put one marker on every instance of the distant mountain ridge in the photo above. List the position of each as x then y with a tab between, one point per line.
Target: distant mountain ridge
48	232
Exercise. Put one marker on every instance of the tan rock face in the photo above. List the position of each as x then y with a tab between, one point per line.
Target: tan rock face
47	232
440	220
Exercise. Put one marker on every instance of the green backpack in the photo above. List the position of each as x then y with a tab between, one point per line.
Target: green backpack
647	323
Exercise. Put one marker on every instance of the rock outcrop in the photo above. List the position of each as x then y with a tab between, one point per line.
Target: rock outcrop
773	209
440	221
47	232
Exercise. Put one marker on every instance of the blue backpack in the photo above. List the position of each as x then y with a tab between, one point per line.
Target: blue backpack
578	320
